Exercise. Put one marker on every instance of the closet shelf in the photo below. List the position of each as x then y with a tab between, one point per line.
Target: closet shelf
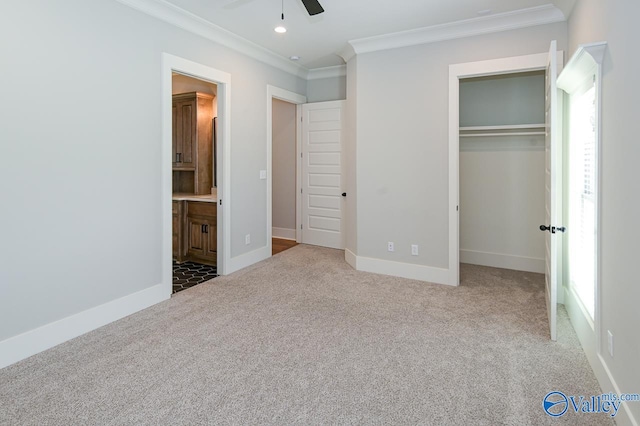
507	130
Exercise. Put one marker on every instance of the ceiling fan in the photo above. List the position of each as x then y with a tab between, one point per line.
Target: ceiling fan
312	6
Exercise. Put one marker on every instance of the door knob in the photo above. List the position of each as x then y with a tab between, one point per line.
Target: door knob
344	194
553	229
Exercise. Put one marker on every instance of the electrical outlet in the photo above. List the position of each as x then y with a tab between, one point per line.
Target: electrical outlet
263	174
610	336
390	246
414	249
247	239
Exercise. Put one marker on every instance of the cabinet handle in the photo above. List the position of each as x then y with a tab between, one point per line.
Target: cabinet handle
178	157
202	229
206	229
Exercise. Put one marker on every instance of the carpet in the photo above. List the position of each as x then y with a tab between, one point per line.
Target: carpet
302	338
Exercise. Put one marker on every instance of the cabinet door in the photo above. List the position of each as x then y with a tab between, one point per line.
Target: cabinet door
174	134
212	240
185	133
197	240
175	235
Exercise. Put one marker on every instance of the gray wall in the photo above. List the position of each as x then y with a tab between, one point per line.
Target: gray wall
327	89
284	165
349	149
402	139
502	100
616	22
84	178
502	202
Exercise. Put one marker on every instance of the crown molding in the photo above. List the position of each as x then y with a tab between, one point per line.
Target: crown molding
327	72
546	14
181	18
347	52
188	21
585	62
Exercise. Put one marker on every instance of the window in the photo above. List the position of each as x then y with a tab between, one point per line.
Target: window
582	194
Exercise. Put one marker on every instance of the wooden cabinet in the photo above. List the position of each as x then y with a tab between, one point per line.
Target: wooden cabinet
184	133
178	240
192	141
201	229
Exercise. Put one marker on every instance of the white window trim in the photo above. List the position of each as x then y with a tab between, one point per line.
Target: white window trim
584	65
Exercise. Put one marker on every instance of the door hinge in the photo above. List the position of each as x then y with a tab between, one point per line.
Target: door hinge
301	190
220	201
300	226
457	208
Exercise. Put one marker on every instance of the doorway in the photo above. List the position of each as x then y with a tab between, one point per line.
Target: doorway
194	191
284	183
172	65
502	164
553	162
319	170
457	74
280	235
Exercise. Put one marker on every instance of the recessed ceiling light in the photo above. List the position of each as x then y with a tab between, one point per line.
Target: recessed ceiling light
294	58
280	29
484	12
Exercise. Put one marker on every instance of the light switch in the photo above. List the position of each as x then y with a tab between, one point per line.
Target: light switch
263	174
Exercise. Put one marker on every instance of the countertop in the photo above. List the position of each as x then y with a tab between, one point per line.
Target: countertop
207	198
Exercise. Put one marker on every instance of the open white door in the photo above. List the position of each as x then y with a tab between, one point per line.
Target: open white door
322	171
553	189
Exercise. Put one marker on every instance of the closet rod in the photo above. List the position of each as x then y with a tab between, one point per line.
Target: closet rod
505	127
475	135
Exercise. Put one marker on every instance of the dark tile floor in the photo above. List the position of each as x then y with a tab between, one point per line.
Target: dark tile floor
188	274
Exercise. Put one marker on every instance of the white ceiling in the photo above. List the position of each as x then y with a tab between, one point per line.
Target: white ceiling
317	39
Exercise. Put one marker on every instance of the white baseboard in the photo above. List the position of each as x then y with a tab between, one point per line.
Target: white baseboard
248	259
583	326
506	261
398	269
284	233
350	258
32	342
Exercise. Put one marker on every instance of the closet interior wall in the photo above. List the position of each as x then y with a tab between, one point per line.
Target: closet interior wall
502	162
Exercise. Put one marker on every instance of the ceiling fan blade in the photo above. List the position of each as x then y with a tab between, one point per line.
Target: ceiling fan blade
313	7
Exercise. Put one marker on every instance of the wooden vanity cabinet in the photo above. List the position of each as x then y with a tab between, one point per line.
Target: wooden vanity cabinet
202	235
177	221
192	139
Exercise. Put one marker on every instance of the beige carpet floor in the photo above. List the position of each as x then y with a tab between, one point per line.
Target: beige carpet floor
304	339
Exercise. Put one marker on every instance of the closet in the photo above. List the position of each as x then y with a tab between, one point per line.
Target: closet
502	165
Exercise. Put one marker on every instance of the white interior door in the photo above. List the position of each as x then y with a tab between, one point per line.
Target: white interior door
322	174
553	189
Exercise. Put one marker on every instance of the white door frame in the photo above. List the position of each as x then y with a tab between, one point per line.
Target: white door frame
274	92
515	64
170	64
